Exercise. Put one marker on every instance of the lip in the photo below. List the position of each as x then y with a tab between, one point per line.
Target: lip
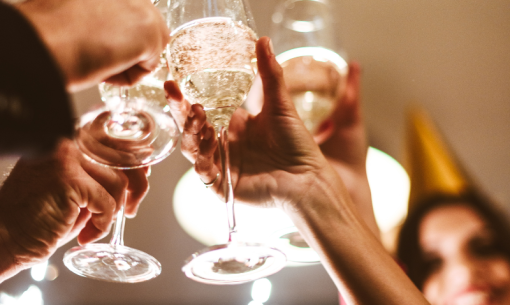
471	296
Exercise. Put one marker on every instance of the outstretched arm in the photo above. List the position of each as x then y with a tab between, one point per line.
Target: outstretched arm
275	161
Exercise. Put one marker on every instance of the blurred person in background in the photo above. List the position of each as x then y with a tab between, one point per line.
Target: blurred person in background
454	243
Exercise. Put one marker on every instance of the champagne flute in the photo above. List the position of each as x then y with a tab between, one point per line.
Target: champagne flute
133	129
315	74
211	55
316	77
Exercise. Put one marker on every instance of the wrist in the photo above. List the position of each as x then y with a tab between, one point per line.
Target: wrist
8	263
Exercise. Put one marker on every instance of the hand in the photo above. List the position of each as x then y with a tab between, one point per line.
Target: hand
343	141
119	41
45	203
273	156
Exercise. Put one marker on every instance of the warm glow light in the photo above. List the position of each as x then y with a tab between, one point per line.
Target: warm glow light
38	272
390	187
319	54
261	290
32	296
203	215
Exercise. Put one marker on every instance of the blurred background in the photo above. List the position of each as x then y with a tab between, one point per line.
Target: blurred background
450	57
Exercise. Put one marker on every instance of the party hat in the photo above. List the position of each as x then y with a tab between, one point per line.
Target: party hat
431	165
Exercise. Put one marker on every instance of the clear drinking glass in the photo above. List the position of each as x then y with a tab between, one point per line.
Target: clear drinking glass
314	72
315	75
211	55
133	128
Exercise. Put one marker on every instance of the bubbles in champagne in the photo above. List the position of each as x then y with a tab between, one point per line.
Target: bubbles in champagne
212	59
316	78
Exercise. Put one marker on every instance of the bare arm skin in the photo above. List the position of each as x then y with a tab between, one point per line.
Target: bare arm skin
44	203
276	162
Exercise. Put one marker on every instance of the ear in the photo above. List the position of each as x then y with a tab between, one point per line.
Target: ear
324	132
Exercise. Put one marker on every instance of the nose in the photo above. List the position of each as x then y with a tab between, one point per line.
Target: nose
463	271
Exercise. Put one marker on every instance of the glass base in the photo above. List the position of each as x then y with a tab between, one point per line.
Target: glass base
112	264
298	252
233	263
126	140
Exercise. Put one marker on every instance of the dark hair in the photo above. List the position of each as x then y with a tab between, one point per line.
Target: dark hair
408	247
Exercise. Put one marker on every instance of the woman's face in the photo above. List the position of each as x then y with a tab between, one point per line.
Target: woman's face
465	267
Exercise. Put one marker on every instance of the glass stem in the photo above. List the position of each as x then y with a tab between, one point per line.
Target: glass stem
118	230
228	192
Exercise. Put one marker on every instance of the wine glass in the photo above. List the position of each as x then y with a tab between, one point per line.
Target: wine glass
316	76
133	128
211	55
314	72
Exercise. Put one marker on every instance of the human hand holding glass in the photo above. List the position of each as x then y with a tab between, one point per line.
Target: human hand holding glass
314	72
211	56
133	129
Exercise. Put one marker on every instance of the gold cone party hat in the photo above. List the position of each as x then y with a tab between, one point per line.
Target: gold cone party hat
431	166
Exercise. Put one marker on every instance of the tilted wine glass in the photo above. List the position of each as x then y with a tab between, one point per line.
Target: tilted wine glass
314	72
133	129
315	75
211	55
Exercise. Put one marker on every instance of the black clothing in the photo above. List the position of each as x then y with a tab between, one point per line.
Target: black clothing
35	109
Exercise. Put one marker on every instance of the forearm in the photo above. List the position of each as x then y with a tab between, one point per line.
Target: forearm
34	106
356	261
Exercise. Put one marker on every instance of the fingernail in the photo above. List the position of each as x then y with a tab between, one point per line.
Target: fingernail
191	113
207	134
270	47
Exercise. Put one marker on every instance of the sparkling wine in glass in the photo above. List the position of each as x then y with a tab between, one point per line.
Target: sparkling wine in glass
211	55
132	129
314	72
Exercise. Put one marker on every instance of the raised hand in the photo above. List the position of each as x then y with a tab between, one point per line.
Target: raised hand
271	159
45	203
343	141
96	40
276	161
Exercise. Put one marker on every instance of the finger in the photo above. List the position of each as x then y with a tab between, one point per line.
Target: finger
179	107
130	76
79	224
204	165
102	207
277	100
147	170
90	233
137	189
191	134
115	182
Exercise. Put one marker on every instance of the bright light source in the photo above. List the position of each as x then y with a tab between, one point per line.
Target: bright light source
261	290
203	216
38	272
390	187
255	303
32	296
51	273
317	52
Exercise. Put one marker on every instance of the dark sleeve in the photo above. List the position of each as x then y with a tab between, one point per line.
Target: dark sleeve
35	109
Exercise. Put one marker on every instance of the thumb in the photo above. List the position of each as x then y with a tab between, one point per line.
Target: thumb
276	97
